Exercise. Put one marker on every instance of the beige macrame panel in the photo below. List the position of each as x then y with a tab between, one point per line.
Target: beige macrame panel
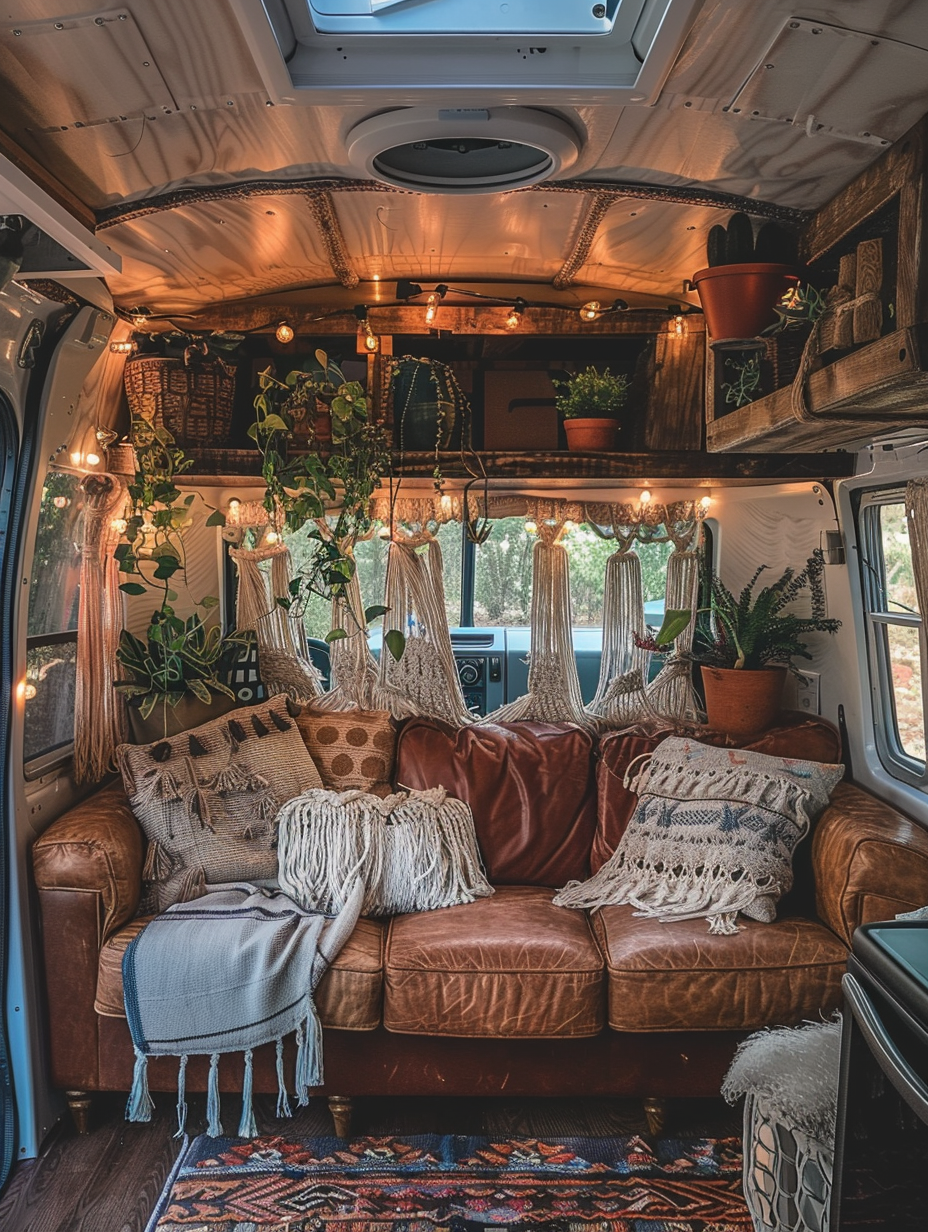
671	693
100	713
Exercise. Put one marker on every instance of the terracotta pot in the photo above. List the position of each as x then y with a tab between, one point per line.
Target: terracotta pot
590	435
742	703
739	300
167	720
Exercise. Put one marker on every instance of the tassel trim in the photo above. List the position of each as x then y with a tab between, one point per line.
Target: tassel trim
140	1105
181	1097
247	1127
214	1125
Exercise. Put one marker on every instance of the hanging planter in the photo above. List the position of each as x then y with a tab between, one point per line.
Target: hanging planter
745	278
430	410
191	397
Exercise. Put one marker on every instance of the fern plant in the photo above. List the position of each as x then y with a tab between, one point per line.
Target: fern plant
752	631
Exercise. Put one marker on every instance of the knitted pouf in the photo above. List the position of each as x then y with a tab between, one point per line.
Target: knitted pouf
790	1078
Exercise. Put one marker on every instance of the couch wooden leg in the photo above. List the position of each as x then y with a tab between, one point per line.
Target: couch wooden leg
340	1108
79	1104
655	1111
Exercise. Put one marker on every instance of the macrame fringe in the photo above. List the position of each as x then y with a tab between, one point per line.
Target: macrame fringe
140	1105
621	697
414	851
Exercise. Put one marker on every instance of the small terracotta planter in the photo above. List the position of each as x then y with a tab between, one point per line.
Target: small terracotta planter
739	300
742	703
590	435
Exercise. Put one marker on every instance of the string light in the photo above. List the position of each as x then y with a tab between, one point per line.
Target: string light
119	525
705	502
272	536
679	325
514	320
591	310
234	503
284	333
431	310
61	502
29	691
531	528
127	347
569	526
645	497
371	341
446	503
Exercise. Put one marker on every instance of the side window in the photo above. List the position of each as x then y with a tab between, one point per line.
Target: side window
51	641
893	635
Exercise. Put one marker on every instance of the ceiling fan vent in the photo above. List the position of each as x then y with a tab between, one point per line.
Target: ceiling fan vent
462	150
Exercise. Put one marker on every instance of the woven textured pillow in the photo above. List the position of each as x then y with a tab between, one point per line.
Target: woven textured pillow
207	798
354	750
713	835
414	851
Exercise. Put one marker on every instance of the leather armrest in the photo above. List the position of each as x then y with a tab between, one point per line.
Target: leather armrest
870	861
97	846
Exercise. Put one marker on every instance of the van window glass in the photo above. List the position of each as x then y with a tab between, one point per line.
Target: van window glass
503	582
893	636
51	634
371	557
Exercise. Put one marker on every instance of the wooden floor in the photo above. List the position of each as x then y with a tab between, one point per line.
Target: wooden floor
108	1180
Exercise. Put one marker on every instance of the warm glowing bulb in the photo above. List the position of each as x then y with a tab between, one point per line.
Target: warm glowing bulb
514	320
284	333
77	457
122	348
679	326
376	278
531	528
431	310
445	503
139	321
590	311
371	341
29	691
21	691
705	502
272	536
93	459
119	525
645	497
61	502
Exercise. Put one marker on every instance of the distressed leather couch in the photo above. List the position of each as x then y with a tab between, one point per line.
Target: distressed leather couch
508	995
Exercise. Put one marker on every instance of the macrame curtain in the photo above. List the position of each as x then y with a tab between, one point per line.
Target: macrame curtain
621	695
553	684
100	714
426	675
671	693
282	649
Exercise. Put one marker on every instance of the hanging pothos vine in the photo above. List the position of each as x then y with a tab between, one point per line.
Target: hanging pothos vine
328	489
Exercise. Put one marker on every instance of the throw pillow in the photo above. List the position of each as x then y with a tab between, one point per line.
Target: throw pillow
713	834
207	798
414	851
353	749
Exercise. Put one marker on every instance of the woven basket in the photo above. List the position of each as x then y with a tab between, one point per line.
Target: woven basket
192	401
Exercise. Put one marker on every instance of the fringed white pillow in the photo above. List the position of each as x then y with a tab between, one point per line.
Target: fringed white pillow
414	851
713	834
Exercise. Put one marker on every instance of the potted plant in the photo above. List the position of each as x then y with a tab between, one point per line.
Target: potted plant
745	278
589	402
176	673
750	641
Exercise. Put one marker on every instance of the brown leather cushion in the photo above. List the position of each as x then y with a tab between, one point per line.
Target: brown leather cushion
796	735
353	749
530	787
511	966
348	997
870	861
678	977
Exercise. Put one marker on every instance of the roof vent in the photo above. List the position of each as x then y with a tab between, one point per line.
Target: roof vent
462	149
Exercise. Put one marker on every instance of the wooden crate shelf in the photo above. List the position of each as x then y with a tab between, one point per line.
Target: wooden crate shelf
883	385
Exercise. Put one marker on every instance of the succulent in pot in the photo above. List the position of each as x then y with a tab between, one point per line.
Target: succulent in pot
589	403
750	641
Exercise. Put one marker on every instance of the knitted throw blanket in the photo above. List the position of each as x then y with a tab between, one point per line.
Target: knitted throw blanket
713	835
226	973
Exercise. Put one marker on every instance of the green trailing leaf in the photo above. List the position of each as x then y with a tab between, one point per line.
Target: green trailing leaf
335	635
374	612
675	621
132	588
395	642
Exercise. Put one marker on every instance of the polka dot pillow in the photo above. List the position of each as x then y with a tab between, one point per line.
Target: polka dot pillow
353	749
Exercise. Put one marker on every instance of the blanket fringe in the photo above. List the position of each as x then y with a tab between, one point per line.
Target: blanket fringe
140	1105
181	1097
247	1127
283	1101
214	1125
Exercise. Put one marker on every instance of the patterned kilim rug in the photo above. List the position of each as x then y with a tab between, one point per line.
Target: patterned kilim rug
432	1182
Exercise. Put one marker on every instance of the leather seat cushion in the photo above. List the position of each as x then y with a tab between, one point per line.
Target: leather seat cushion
678	977
530	787
348	998
512	966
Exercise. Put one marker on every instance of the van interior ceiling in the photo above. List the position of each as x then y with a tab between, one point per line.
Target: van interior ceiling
433	221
